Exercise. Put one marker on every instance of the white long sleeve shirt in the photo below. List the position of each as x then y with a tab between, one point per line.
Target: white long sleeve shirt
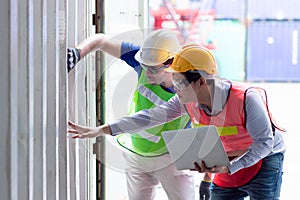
265	143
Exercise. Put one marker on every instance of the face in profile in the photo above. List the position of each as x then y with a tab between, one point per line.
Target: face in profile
156	74
185	90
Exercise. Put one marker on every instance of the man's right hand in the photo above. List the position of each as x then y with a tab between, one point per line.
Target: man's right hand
73	57
78	131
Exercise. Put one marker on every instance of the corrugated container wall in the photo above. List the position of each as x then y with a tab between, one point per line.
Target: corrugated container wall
37	160
273	51
273	40
229	9
273	9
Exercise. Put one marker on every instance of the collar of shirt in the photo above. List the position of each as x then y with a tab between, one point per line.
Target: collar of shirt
220	92
170	89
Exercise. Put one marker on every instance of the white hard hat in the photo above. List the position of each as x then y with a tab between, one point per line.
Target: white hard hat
158	47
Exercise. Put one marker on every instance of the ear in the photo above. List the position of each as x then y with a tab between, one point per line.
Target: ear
202	81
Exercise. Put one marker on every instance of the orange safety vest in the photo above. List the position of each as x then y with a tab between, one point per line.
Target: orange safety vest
231	125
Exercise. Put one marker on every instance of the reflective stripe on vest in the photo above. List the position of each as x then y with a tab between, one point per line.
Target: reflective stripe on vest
149	136
222	131
147	93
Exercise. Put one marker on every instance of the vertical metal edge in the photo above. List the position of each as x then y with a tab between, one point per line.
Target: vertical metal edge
100	103
61	162
5	146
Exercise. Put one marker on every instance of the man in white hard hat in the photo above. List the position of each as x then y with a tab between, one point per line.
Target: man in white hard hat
147	161
251	137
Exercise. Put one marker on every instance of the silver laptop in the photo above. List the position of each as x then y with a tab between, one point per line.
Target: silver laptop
187	146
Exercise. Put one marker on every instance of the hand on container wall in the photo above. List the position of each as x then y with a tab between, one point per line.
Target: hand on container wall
79	131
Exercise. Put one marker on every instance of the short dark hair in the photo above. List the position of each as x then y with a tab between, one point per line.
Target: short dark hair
169	61
192	75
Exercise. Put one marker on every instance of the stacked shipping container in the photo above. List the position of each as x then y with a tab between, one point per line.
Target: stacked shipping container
273	41
257	40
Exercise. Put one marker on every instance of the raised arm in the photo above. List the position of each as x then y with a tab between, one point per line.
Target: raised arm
100	42
93	43
139	121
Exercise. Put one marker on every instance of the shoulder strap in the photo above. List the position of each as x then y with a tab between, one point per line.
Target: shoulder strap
264	97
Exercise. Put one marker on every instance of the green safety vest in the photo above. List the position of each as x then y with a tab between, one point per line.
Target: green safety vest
150	142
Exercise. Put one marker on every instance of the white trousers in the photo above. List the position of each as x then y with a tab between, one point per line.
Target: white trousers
144	173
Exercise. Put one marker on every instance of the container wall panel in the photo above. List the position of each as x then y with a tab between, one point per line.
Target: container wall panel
5	165
273	51
229	9
34	156
273	9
